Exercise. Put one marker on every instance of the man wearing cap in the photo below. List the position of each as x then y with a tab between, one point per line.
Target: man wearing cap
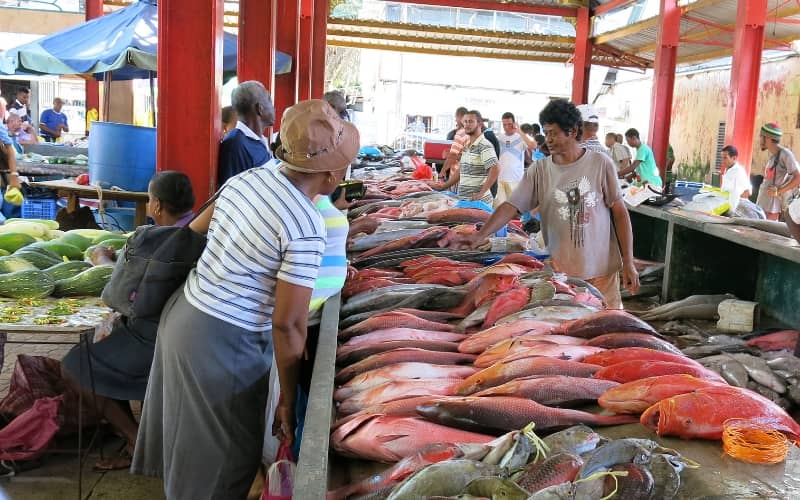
202	424
245	146
780	174
591	124
53	122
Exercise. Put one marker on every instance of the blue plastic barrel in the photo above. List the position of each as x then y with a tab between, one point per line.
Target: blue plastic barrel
122	155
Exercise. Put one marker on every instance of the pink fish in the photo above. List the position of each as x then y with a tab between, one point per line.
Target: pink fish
389	439
556	390
568	352
393	319
390	334
507	303
391	391
349	354
480	341
401	372
402	355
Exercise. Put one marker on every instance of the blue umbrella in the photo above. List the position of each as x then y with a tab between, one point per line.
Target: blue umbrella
124	42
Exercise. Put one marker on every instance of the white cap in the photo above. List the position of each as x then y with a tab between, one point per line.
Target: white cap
588	113
794	211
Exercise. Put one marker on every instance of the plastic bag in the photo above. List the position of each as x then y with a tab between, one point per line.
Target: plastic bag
280	476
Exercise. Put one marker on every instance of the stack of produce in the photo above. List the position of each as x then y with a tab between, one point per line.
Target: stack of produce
38	260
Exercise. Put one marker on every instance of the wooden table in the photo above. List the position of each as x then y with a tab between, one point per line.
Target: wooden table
92	321
74	192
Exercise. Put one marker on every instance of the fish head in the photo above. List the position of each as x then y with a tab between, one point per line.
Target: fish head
630	397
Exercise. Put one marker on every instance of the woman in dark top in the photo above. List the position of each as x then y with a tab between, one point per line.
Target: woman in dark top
121	362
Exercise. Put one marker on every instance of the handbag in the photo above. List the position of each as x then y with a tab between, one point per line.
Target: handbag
153	263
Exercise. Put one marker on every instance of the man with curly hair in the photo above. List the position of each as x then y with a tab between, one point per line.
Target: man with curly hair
586	225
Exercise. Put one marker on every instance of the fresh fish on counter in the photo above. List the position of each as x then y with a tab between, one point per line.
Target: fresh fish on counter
428	237
614	356
395	319
506	303
480	341
502	413
760	371
428	455
621	451
460	215
608	321
443	479
701	413
501	373
558	390
693	307
776	341
769	226
530	344
638	395
402	355
372	206
557	469
376	239
551	313
389	439
548	350
620	340
357	353
377	299
400	372
495	487
628	371
578	439
394	390
389	334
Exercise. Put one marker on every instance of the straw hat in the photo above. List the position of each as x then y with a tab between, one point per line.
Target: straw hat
315	139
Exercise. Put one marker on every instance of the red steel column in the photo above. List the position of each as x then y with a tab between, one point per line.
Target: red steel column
188	135
288	41
745	73
307	37
582	60
255	59
664	81
94	9
319	51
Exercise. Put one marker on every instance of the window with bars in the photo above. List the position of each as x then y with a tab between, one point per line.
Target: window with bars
720	145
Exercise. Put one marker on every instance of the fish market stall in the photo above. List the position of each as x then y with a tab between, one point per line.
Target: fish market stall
707	254
483	372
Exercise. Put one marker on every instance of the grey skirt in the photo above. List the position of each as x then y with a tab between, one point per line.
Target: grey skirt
202	423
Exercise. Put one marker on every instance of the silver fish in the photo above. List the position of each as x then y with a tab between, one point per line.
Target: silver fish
577	440
519	453
380	298
759	370
666	474
443	479
555	314
499	448
734	373
476	317
379	238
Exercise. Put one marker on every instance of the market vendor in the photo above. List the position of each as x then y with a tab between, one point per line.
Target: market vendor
644	165
780	174
203	416
585	222
478	164
735	181
121	362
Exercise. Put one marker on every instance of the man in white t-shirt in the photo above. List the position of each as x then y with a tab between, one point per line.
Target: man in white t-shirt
591	124
735	181
513	145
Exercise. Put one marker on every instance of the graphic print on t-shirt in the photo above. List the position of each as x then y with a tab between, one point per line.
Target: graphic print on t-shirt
575	199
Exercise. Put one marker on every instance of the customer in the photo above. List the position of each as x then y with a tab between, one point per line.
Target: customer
584	219
203	416
229	119
619	153
734	177
780	175
459	138
514	145
645	163
53	122
245	146
23	133
8	154
121	362
591	124
478	164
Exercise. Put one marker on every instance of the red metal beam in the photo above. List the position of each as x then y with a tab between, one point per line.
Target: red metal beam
582	61
319	50
94	9
706	42
664	80
255	59
545	10
288	41
728	29
612	5
740	126
190	149
304	62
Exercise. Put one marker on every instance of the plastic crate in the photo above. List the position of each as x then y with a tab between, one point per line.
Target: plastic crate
39	209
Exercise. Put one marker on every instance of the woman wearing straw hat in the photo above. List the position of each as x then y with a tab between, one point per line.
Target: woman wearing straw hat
203	416
780	174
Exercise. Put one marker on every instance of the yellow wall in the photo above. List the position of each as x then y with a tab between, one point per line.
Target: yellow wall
700	103
36	22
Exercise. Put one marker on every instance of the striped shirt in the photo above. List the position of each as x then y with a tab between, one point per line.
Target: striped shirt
476	161
333	270
263	230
